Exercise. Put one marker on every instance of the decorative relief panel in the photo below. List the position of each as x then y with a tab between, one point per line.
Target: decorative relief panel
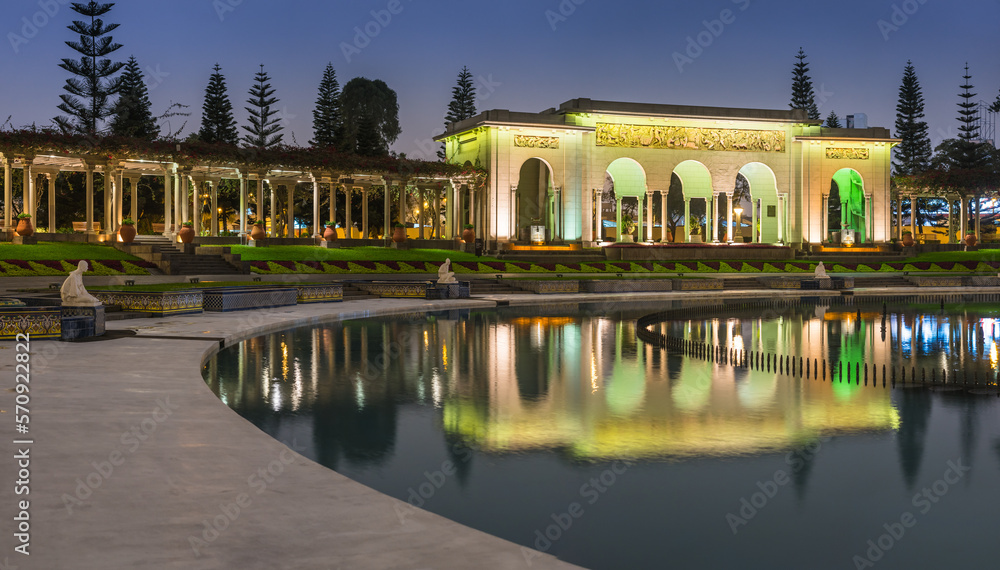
848	153
525	141
689	138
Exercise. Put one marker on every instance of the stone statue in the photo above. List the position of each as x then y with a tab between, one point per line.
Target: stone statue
821	271
74	294
445	276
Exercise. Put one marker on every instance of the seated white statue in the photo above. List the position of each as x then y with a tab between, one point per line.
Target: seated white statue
445	276
74	294
821	271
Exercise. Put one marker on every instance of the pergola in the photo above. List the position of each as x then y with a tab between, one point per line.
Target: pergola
187	181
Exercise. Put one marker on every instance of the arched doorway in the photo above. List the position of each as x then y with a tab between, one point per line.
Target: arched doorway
854	206
761	205
629	181
696	184
535	197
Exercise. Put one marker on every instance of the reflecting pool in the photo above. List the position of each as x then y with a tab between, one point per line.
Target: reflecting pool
555	428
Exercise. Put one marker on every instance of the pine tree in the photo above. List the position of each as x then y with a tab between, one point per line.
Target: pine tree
913	155
969	146
833	121
368	143
132	116
89	92
217	122
803	96
327	118
463	102
264	130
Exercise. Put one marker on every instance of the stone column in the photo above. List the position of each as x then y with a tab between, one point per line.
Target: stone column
649	215
185	197
781	219
618	218
317	224
913	216
899	217
197	209
730	236
387	210
134	198
90	198
951	219
290	230
687	220
28	189
119	198
109	198
436	227
472	208
403	187
168	202
213	188
421	194
664	227
8	195
639	212
259	198
364	211
599	197
273	210
824	219
979	217
333	200
348	223
50	188
710	229
754	224
244	201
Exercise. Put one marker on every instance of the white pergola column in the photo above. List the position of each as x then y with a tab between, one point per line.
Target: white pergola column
133	183
259	198
755	224
333	200
316	223
364	211
273	210
599	197
618	218
711	230
979	217
109	198
185	197
436	226
90	198
824	219
50	188
197	209
421	196
649	214
663	218
781	218
348	222
404	186
951	219
899	216
8	214
28	189
244	201
119	198
168	203
729	218
387	205
290	190
913	216
687	220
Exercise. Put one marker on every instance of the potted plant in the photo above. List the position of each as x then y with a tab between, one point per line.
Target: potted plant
695	229
24	227
127	231
469	235
398	233
330	234
907	239
626	229
187	232
257	232
970	239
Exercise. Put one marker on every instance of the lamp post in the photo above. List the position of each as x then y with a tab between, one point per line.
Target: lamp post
738	210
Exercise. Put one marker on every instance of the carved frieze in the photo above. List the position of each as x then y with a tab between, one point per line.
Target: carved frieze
525	141
848	153
689	138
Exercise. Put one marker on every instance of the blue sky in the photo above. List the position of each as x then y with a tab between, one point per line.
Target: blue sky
526	55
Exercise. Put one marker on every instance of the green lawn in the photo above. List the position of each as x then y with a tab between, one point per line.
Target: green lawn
310	253
59	251
981	255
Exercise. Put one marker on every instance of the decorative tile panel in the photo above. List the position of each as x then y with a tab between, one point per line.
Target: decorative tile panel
39	322
320	293
158	303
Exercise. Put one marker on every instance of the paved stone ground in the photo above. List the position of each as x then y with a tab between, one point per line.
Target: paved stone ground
132	454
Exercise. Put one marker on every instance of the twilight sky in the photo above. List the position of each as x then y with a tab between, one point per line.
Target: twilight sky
527	55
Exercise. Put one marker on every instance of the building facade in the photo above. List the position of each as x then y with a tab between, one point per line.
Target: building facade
554	169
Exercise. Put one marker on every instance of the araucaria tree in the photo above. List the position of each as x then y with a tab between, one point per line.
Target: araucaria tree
970	154
217	122
327	116
370	117
89	92
463	102
913	155
833	121
264	130
803	96
132	116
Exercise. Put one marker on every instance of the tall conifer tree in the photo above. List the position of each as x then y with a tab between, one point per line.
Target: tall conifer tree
264	130
463	102
327	118
217	122
970	147
833	121
913	155
89	92
132	116
803	96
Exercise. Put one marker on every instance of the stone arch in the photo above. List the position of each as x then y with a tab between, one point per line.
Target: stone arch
629	180
696	184
855	206
534	198
762	208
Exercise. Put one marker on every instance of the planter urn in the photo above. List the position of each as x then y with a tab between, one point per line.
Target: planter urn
186	234
24	227
127	233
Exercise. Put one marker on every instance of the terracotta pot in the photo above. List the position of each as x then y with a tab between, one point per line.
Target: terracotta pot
186	234
24	227
907	240
469	236
330	234
970	240
127	233
399	235
257	232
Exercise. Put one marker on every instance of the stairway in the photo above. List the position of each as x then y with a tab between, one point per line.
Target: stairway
742	283
352	293
166	254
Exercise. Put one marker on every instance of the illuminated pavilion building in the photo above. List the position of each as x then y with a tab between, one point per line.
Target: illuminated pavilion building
550	169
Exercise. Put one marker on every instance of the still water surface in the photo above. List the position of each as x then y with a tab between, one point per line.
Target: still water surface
555	428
